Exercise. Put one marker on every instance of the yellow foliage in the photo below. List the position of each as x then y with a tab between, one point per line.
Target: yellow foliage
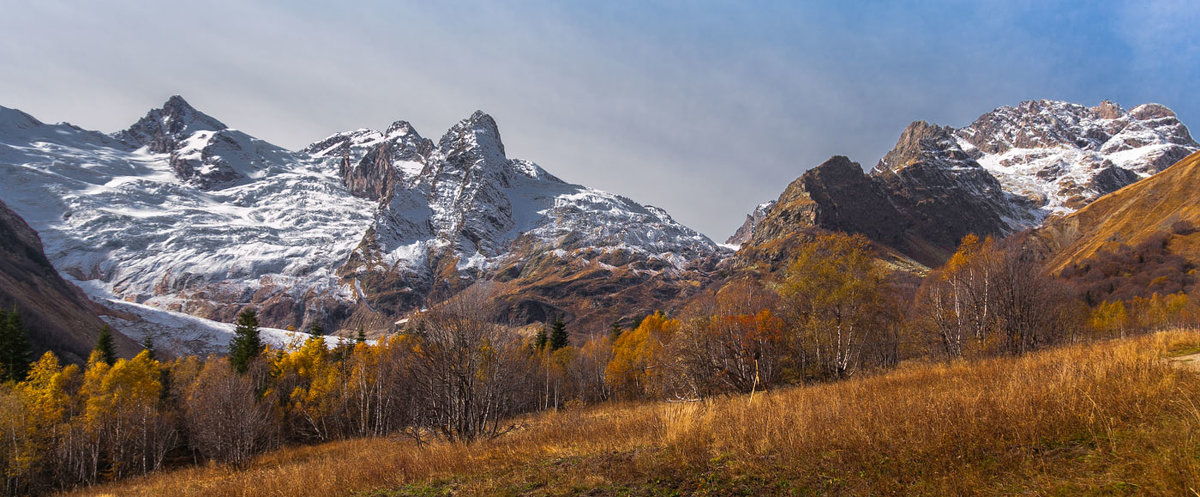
638	356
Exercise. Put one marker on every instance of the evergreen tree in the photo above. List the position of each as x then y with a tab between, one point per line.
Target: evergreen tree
361	337
615	330
316	330
558	334
15	350
104	345
148	344
246	344
539	341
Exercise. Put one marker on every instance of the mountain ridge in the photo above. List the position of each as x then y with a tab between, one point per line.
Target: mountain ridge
1007	171
183	213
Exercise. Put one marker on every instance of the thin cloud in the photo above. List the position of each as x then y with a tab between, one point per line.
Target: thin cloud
703	109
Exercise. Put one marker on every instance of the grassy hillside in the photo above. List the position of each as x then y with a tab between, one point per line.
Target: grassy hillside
1115	418
1130	216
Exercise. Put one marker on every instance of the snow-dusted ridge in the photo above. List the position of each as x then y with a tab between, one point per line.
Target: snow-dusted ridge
180	212
1061	156
1048	157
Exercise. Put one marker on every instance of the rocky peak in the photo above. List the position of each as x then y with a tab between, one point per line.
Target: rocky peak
1108	110
922	141
401	128
1060	156
834	196
476	136
743	233
161	129
1147	112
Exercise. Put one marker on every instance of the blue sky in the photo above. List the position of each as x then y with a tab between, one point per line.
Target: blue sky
702	108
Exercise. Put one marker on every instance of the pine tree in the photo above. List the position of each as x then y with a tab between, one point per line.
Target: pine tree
246	344
558	334
316	330
615	330
15	350
104	345
539	341
148	344
361	337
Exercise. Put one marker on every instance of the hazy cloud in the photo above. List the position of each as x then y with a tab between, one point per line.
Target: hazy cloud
704	109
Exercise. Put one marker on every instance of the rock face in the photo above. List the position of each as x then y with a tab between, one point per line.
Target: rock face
182	213
201	150
465	211
373	163
914	213
58	315
1009	170
743	233
1061	156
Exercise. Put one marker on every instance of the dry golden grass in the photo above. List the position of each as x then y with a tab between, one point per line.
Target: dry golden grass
1114	418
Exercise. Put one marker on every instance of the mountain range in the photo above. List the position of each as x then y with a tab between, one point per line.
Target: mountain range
180	213
1010	170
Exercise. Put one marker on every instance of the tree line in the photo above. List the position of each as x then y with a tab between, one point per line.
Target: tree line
835	312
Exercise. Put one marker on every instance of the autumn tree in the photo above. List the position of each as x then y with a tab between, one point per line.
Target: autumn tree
309	383
956	301
639	367
472	373
586	371
225	418
837	299
122	413
246	344
1028	303
731	341
1110	319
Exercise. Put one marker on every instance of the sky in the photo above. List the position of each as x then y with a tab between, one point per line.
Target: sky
705	109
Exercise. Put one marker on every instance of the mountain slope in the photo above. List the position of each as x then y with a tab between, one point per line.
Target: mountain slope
1163	203
58	316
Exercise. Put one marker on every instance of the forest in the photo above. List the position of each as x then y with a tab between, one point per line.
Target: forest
834	314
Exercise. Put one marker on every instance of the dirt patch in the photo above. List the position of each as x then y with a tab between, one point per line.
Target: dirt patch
1191	361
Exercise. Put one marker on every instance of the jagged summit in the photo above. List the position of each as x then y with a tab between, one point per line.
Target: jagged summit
1007	171
478	135
186	214
922	141
160	129
1060	156
401	128
743	233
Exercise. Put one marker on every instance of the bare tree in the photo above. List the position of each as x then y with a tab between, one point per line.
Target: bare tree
1027	304
472	373
225	418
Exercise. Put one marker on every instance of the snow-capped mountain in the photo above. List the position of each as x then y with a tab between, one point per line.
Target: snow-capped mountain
464	208
1009	170
1061	156
180	212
